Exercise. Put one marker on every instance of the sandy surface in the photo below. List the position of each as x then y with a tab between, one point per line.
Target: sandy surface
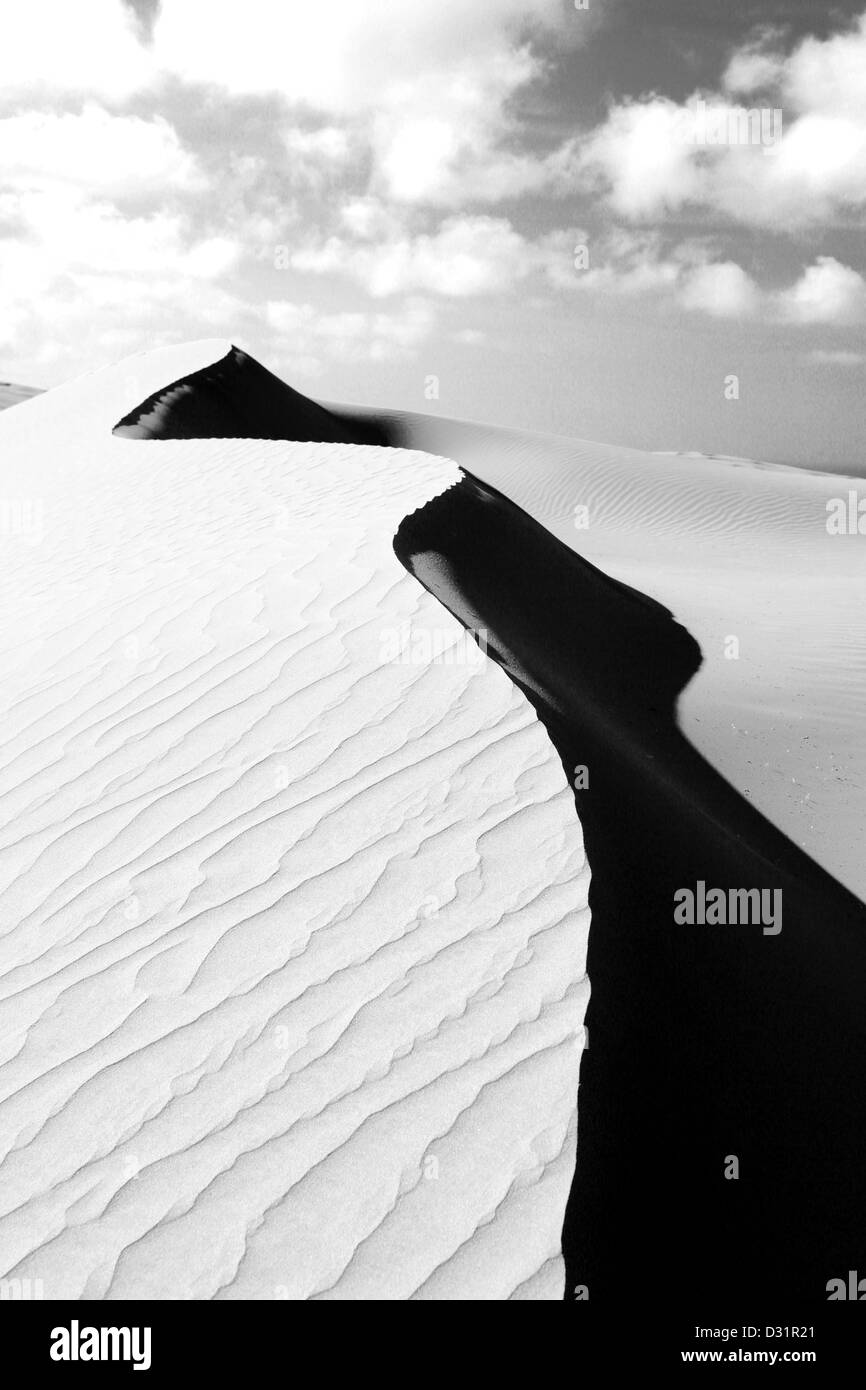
684	628
288	1009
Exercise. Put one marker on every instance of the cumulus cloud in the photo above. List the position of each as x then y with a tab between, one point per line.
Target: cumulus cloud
427	88
829	75
103	153
53	46
362	336
691	276
464	256
342	56
80	280
827	292
722	289
641	159
807	169
757	66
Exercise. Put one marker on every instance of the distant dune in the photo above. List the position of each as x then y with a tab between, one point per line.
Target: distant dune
10	394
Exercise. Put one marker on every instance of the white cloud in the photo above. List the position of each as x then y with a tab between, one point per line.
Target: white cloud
342	56
810	170
427	89
465	256
755	67
426	86
349	337
51	46
641	159
722	289
631	263
102	153
829	75
449	139
80	282
827	292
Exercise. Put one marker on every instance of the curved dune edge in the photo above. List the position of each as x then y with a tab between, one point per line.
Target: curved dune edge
709	1042
286	1011
736	550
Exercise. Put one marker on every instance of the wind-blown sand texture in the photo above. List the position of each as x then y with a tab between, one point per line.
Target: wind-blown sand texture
293	934
706	1042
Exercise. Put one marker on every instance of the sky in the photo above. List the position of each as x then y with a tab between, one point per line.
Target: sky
638	221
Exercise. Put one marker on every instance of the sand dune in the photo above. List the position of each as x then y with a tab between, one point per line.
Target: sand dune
707	1045
288	1011
734	549
10	394
609	643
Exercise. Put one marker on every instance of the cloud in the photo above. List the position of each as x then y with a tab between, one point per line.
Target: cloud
632	264
343	57
826	293
360	336
804	166
80	281
103	153
639	158
757	66
465	256
691	276
722	290
53	46
829	75
429	94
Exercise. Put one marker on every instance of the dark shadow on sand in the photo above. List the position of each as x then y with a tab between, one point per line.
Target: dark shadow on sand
237	398
705	1041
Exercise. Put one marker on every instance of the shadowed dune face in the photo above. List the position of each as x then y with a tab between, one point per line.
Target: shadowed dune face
236	398
705	1041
